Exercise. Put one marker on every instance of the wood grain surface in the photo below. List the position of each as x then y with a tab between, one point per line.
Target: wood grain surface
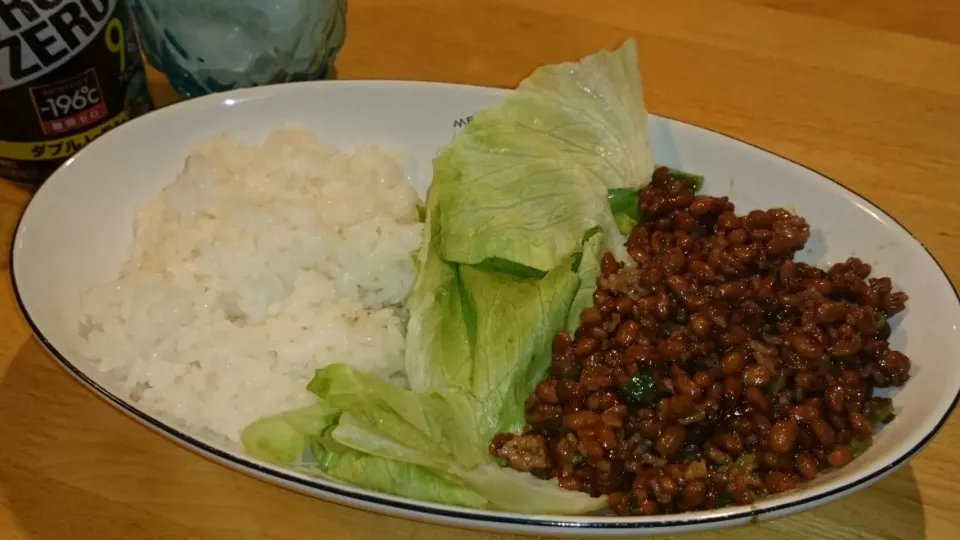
865	91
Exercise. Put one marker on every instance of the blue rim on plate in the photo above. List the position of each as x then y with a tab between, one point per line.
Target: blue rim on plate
737	513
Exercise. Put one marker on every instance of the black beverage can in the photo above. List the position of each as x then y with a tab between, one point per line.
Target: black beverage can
70	70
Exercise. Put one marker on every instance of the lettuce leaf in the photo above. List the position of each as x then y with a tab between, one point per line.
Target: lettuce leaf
516	321
284	439
440	321
396	477
384	422
527	178
434	428
518	190
525	493
588	271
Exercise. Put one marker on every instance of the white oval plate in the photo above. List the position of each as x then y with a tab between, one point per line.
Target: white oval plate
78	227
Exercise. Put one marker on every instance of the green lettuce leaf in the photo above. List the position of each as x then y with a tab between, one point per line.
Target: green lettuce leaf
516	320
392	476
487	333
588	271
382	421
525	493
530	176
625	223
282	438
440	322
433	427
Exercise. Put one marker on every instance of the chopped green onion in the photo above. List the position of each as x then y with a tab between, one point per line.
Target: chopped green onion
693	181
624	201
883	412
667	330
641	389
724	498
880	321
859	445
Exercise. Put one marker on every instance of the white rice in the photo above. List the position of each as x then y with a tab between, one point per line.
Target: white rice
257	266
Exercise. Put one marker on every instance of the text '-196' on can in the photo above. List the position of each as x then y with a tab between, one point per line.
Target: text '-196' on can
70	70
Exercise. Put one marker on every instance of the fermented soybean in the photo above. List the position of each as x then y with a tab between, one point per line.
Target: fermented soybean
70	70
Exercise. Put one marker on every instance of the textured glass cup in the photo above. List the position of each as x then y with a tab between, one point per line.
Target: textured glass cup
206	46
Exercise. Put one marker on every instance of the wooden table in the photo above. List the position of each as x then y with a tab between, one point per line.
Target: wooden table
866	91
